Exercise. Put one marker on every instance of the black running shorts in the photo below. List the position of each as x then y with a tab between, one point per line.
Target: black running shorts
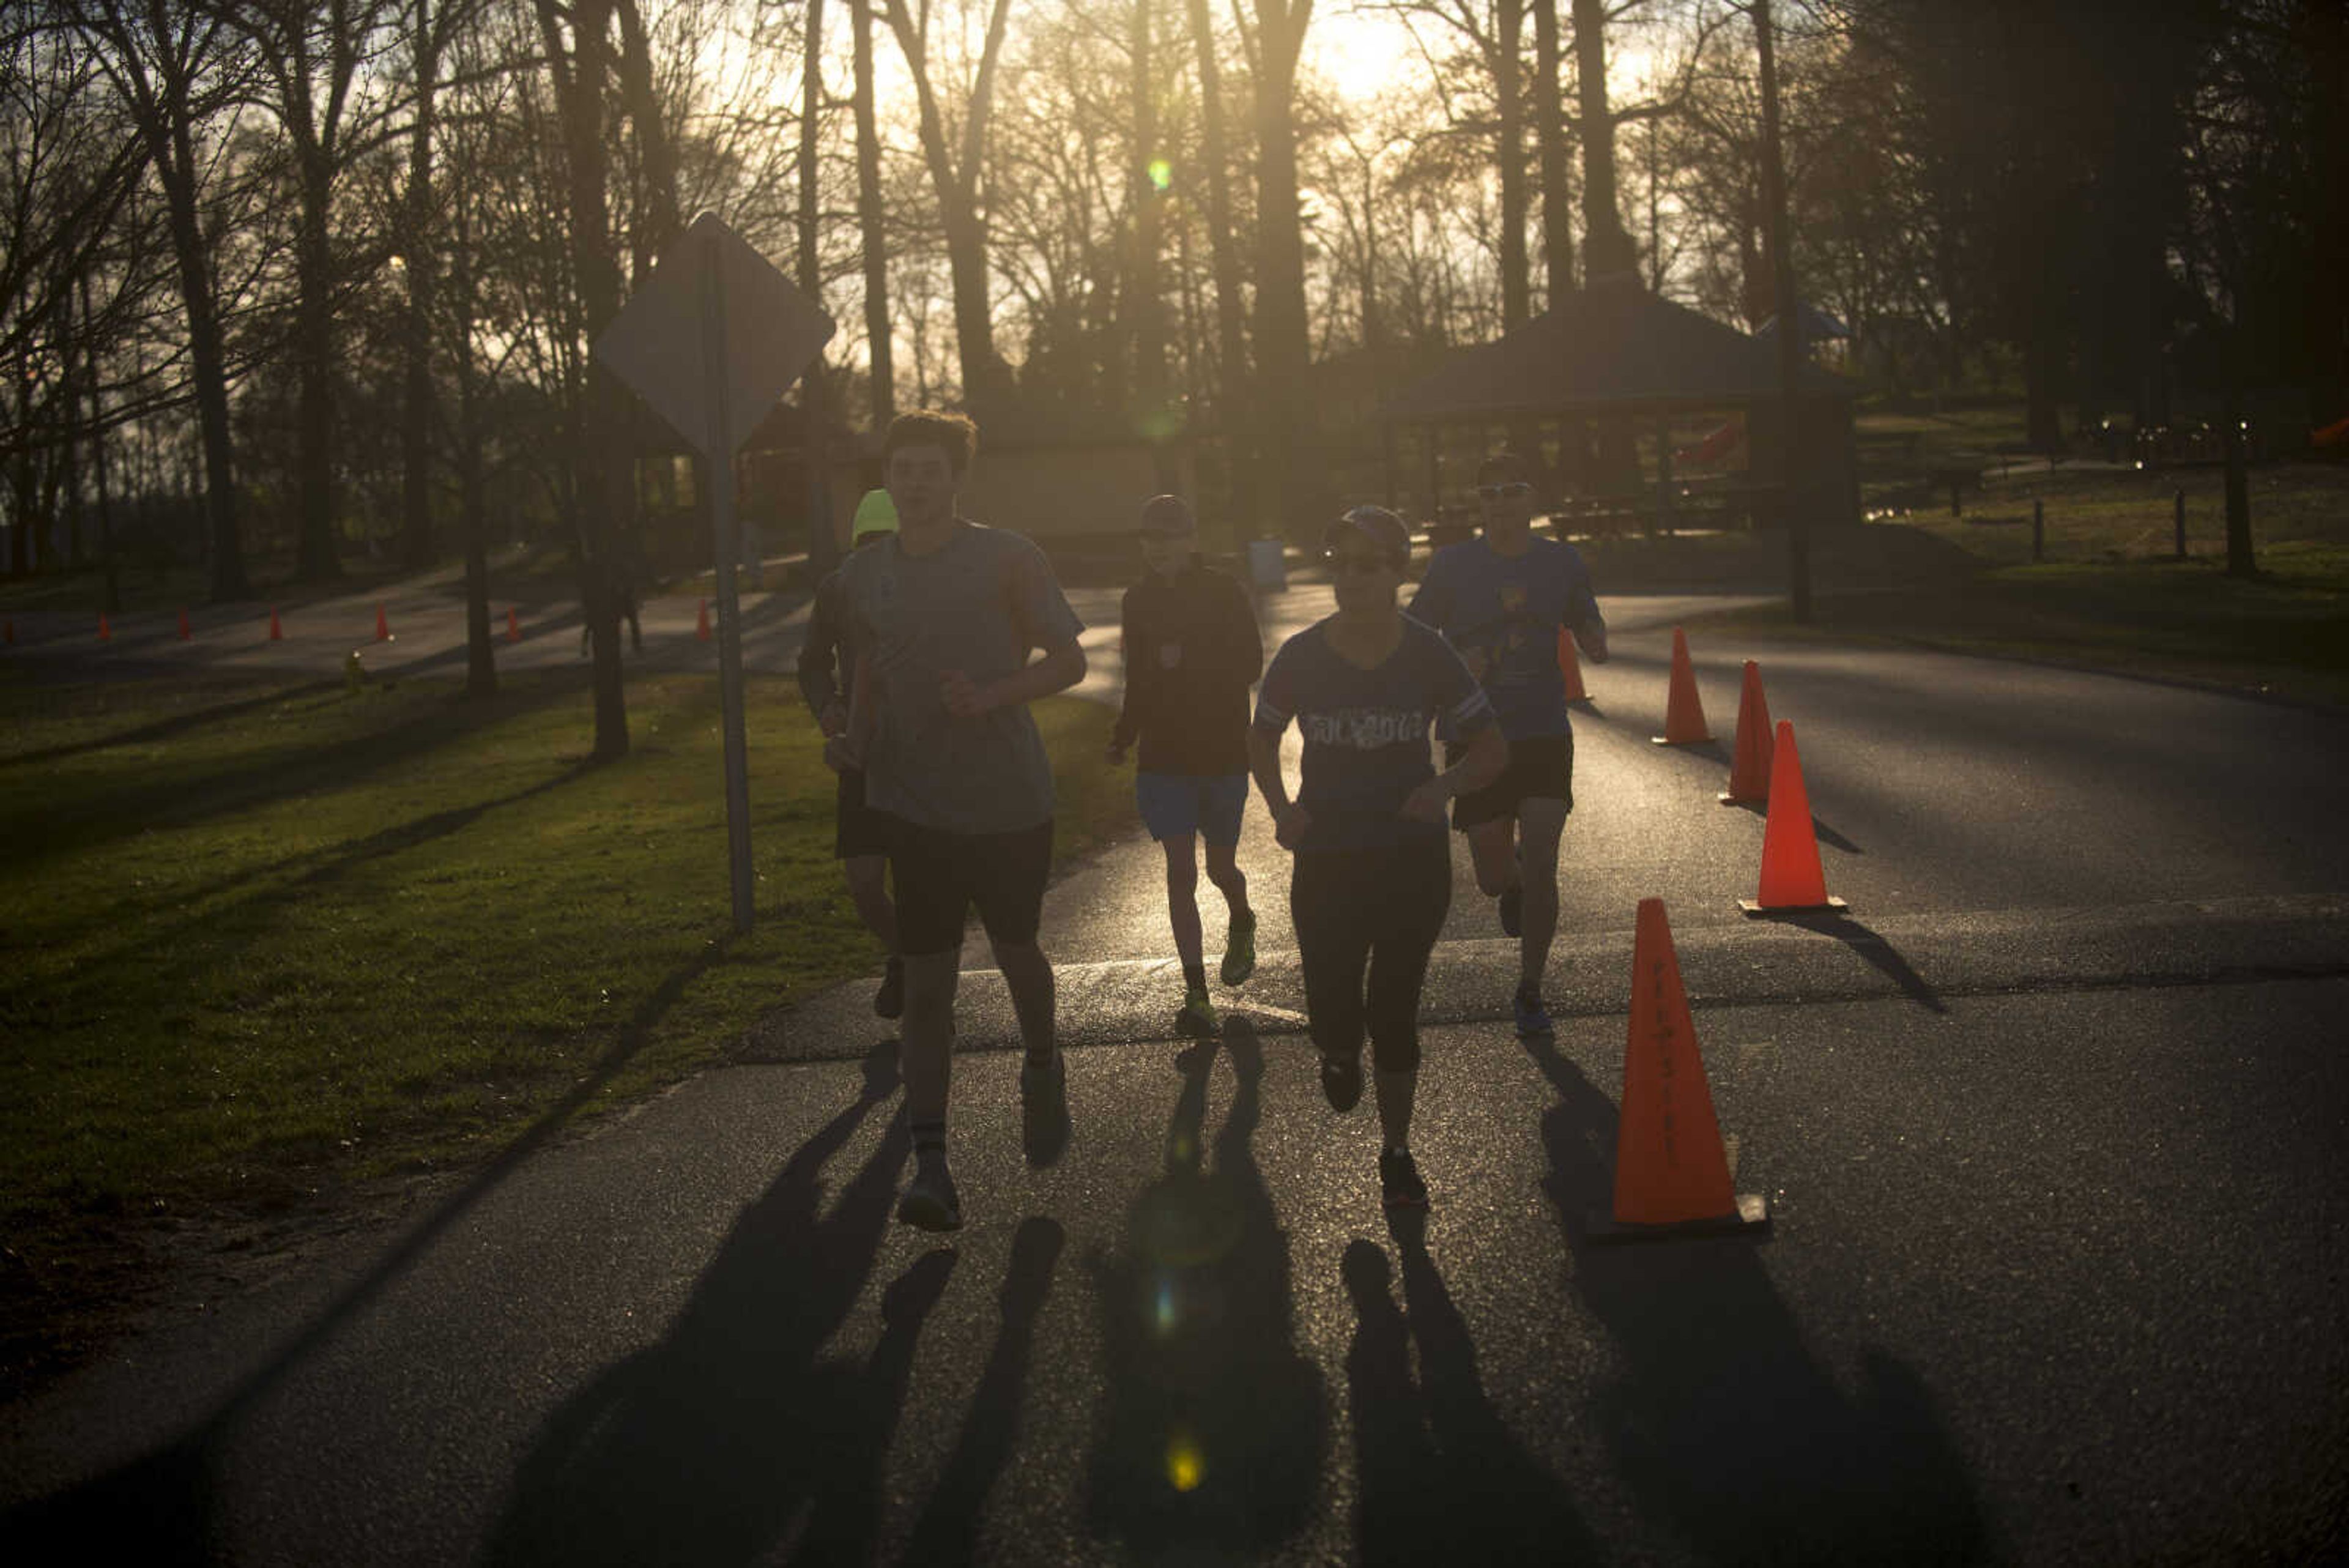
1541	767
938	876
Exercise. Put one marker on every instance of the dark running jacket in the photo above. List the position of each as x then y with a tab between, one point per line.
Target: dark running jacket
1192	651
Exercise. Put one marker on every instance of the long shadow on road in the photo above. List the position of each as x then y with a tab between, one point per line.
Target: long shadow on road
161	1507
1726	1430
1440	1476
707	1447
1211	1433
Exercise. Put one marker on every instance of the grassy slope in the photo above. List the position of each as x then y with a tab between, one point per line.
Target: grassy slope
259	941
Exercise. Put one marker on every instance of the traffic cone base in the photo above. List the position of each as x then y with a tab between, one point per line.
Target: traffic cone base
1752	1216
1683	710
1671	1170
1759	910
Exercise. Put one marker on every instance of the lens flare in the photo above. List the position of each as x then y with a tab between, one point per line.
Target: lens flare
1167	1310
1184	1467
1161	173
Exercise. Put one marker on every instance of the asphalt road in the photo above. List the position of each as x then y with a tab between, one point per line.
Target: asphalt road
2054	1128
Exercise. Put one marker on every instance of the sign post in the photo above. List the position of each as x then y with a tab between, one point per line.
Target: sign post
714	338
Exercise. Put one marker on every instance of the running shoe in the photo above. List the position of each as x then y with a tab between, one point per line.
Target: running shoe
1043	1111
1399	1183
1533	1018
1239	949
930	1200
1512	906
1341	1080
889	1002
1197	1018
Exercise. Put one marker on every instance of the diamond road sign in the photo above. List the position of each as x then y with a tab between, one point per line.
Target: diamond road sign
767	333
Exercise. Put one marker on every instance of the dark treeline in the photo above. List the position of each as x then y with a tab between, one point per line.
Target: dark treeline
297	281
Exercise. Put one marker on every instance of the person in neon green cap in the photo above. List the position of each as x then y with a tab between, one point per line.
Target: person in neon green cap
875	515
859	836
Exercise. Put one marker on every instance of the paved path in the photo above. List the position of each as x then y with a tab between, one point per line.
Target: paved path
2054	1125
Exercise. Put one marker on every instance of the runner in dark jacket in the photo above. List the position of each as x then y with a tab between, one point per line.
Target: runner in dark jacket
1192	651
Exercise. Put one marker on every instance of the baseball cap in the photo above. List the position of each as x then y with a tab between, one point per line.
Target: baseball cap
877	513
1167	514
1381	527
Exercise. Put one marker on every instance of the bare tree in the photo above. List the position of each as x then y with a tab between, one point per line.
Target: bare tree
955	174
174	66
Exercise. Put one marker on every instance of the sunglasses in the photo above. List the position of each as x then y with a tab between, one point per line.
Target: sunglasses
1514	490
1353	563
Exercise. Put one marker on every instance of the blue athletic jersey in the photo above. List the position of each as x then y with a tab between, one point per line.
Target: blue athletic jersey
1503	614
1366	732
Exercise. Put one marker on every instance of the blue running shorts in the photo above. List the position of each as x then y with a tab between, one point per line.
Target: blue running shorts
1210	805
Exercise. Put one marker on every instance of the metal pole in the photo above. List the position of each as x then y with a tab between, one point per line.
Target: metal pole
730	547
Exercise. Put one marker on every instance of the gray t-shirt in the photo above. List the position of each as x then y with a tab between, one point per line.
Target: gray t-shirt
981	605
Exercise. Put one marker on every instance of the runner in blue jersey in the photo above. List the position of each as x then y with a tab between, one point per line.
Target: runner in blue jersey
1373	877
1500	600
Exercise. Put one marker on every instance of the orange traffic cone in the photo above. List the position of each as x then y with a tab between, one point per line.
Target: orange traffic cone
105	632
1792	878
513	625
1683	713
1749	774
185	634
1672	1173
701	629
1569	668
382	626
276	632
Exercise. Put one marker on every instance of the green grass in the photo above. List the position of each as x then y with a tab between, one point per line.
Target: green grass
2110	592
261	940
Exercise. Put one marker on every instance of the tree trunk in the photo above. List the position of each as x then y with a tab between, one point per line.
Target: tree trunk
315	557
1155	415
983	377
1550	138
1516	285
602	457
1608	251
878	332
472	526
662	221
2240	562
822	549
1232	415
98	456
422	251
1790	326
1281	332
207	361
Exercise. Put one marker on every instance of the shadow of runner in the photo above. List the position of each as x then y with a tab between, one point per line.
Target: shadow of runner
161	1508
1725	1428
948	1530
1211	1432
705	1447
1440	1474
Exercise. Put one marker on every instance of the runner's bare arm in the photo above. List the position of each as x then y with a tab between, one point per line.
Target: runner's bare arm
1059	668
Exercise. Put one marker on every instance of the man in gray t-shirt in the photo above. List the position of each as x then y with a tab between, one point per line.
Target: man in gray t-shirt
942	619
